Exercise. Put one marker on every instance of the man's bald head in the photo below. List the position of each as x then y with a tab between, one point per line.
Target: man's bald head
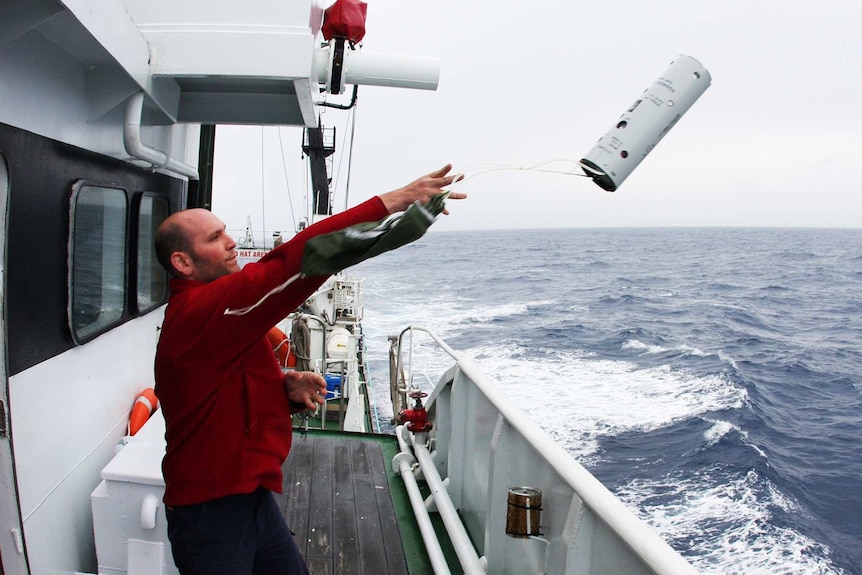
193	244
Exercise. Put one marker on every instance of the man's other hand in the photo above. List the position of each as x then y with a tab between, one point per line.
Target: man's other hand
306	388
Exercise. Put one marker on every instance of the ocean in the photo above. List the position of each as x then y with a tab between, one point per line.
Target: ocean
711	378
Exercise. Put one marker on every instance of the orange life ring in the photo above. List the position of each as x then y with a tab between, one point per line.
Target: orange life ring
281	347
145	404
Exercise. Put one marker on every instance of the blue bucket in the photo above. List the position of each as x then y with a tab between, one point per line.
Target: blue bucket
333	385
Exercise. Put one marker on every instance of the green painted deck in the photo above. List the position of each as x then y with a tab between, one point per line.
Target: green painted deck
348	510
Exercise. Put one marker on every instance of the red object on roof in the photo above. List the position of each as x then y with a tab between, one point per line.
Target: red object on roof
345	18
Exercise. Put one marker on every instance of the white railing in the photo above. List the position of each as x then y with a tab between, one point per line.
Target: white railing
480	447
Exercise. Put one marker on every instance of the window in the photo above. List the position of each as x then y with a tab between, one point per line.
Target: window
152	279
97	260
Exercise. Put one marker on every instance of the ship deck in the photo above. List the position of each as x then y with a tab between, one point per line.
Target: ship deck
349	511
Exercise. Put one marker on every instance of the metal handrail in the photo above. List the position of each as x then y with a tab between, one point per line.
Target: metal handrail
403	464
398	362
643	541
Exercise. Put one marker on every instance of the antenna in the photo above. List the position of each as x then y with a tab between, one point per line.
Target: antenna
248	240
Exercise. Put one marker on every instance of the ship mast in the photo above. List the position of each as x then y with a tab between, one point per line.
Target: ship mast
319	144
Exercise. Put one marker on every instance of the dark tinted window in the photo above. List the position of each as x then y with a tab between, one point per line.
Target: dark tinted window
97	260
152	280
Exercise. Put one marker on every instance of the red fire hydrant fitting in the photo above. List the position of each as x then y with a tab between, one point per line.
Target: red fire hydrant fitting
416	417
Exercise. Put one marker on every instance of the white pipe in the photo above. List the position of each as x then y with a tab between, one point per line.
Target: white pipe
137	149
402	443
149	509
430	504
403	465
457	533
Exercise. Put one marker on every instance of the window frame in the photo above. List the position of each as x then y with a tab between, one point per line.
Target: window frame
135	264
79	335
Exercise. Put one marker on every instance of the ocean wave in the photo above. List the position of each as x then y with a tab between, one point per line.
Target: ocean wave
495	312
747	318
684	350
724	286
592	397
775	287
623	299
727	525
718	430
728	359
721	429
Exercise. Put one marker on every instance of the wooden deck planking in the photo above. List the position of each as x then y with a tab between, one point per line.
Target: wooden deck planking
296	491
392	542
337	502
319	532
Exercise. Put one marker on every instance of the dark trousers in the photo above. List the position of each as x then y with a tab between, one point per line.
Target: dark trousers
234	535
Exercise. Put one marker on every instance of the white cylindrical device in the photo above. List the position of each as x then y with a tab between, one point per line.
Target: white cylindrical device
338	343
646	122
376	69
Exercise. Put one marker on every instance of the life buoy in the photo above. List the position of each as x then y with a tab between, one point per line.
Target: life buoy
281	347
145	404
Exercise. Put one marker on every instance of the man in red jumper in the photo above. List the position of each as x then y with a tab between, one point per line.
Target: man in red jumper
225	401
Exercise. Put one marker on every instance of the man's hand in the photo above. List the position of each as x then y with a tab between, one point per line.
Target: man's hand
306	388
421	190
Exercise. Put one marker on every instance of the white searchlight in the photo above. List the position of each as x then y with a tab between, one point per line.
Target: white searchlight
336	66
645	123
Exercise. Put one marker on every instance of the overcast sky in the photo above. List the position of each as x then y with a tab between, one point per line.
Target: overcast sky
775	141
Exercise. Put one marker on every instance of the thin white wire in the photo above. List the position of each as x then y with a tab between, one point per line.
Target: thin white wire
481	169
286	179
